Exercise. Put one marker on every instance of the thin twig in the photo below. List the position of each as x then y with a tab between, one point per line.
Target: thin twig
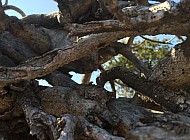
136	46
169	40
155	41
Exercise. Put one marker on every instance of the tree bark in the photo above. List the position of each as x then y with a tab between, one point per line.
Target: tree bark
80	37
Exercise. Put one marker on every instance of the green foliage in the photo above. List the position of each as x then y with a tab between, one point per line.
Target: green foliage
148	52
151	52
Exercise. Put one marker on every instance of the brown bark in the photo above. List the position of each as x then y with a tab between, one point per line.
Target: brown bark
173	70
48	46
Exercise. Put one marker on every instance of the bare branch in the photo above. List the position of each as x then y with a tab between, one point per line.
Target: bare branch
140	123
86	78
115	25
57	78
125	50
40	66
95	27
11	7
155	41
44	20
38	40
176	101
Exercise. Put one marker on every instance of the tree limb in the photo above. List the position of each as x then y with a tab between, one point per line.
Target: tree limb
125	50
11	7
176	101
44	20
40	66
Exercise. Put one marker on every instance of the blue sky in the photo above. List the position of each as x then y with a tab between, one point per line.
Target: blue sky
33	6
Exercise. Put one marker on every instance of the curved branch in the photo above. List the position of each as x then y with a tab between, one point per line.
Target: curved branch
11	7
155	41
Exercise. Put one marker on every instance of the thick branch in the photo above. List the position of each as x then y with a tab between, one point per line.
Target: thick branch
11	7
40	66
125	50
38	40
45	20
139	123
57	78
95	27
174	101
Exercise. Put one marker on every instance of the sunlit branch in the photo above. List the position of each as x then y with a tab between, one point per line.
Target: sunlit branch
169	40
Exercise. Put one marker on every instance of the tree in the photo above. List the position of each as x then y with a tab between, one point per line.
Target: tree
81	37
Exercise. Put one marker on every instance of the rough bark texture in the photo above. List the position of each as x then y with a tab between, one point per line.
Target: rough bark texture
80	37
